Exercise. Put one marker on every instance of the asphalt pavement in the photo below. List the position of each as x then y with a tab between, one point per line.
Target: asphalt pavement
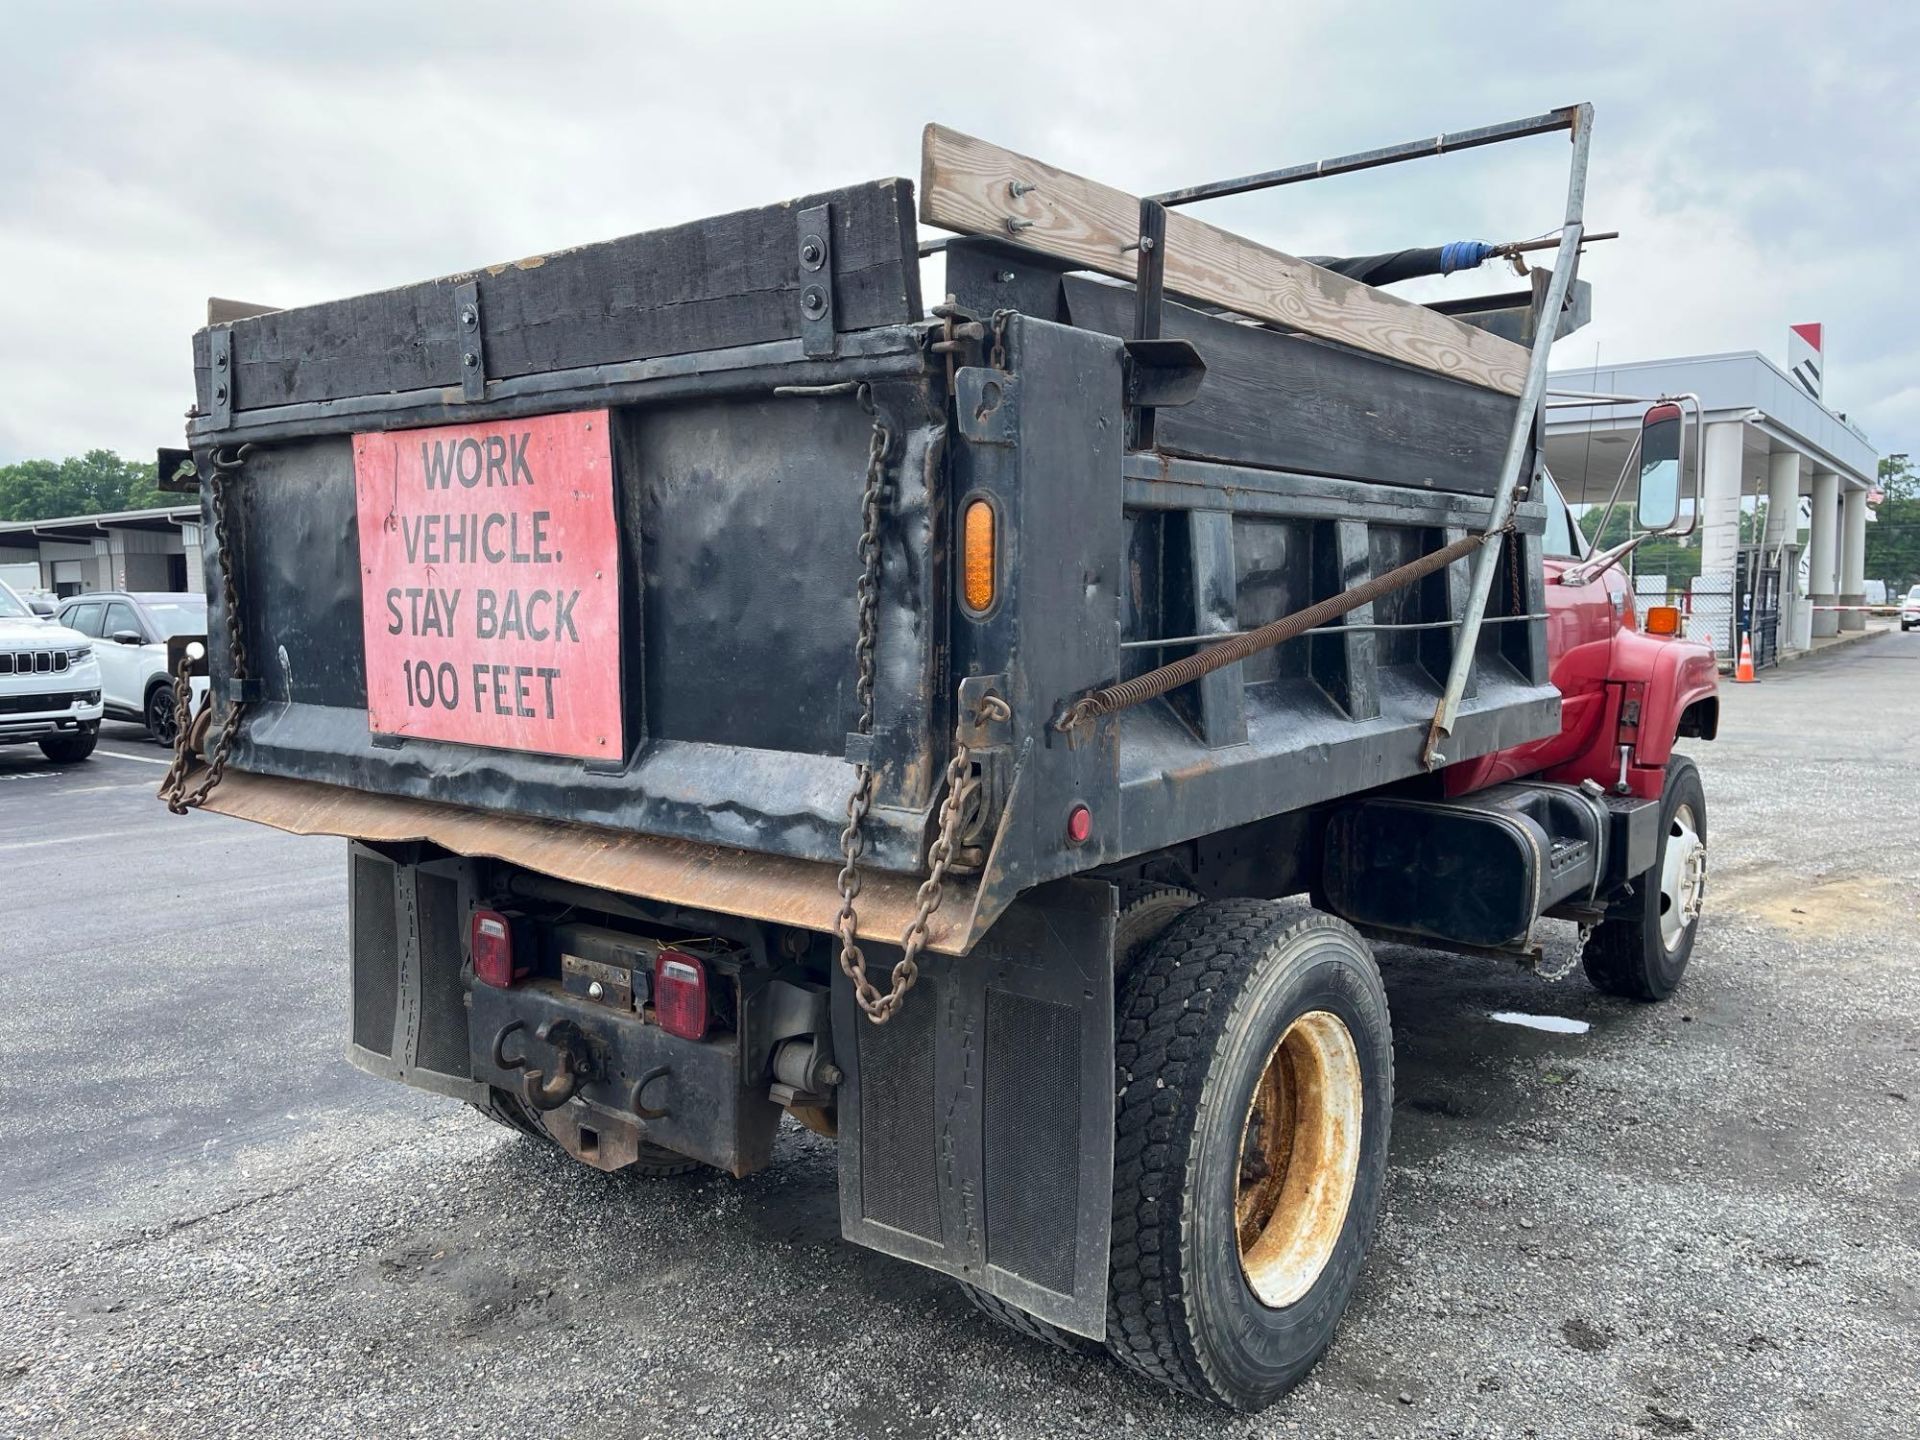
1698	1218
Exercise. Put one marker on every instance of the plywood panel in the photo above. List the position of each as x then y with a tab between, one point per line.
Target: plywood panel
970	186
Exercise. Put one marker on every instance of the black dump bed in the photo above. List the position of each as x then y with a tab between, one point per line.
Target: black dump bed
694	412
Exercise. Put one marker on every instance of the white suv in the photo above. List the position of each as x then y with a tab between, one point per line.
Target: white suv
1910	609
49	683
129	631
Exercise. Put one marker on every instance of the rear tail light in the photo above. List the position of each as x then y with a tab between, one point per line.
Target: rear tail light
492	949
680	994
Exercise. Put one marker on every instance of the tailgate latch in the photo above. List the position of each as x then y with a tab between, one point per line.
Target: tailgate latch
987	732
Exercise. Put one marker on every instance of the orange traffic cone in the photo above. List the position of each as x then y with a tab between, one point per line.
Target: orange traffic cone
1743	672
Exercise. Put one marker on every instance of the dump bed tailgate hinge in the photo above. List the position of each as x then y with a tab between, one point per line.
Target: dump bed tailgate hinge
472	351
814	255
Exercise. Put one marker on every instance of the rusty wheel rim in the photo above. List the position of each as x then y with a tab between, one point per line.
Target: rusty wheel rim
1299	1154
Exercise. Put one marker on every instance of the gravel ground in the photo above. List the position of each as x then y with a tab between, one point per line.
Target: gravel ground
1701	1218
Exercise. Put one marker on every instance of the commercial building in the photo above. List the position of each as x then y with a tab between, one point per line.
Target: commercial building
129	550
1768	437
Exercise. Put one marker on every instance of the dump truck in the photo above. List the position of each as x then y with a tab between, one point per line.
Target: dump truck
990	734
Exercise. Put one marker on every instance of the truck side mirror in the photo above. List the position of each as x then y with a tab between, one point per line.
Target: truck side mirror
1658	503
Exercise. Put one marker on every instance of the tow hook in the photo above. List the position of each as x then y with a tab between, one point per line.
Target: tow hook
572	1063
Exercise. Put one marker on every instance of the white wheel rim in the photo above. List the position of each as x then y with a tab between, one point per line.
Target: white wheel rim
1683	877
1299	1156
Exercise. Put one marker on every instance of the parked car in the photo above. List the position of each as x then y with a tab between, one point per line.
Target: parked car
49	683
1910	609
131	630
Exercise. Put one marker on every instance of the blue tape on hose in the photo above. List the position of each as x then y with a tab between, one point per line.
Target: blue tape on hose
1463	255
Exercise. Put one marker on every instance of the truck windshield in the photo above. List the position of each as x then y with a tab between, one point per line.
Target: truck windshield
1562	540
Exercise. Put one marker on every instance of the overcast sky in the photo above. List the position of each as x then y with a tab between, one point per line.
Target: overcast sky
1760	158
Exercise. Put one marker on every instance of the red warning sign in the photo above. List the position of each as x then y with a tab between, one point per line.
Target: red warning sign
490	572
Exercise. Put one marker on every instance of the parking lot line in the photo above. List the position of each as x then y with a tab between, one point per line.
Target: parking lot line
142	759
61	840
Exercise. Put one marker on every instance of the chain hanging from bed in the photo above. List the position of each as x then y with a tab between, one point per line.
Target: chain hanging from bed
878	1006
188	727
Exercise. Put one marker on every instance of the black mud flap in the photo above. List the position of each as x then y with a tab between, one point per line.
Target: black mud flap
976	1126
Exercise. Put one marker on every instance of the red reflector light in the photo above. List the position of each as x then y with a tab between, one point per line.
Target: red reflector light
1079	824
492	949
680	994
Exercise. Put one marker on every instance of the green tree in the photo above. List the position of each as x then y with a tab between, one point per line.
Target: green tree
1893	539
90	484
1678	560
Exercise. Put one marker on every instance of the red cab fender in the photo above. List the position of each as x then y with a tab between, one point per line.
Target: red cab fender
1682	691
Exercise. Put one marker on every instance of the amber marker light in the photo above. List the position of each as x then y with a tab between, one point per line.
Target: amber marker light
977	556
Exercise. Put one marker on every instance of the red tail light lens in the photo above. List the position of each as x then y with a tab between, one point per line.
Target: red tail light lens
492	949
680	994
1079	824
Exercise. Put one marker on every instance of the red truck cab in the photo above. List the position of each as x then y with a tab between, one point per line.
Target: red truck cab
1626	695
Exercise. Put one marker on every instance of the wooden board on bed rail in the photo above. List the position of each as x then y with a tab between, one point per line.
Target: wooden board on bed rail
969	186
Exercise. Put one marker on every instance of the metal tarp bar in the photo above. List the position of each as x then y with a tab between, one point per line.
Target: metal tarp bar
1564	119
1566	263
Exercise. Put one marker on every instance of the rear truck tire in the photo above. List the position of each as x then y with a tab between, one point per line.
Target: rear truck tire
655	1162
1146	910
1032	1327
1254	1063
1640	951
71	749
163	725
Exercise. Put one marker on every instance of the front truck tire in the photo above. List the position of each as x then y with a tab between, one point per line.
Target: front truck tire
1254	1060
1640	951
655	1162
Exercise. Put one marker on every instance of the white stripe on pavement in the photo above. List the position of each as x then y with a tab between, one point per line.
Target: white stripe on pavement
63	840
143	759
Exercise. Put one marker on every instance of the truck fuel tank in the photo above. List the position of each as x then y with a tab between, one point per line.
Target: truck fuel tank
1476	871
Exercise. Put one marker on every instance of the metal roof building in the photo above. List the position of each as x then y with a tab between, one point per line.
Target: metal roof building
127	550
1767	437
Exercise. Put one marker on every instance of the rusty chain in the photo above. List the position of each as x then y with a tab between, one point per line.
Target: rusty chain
174	789
877	1006
853	841
960	786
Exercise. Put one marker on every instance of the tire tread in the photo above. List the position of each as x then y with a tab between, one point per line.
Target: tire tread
1182	1002
1033	1328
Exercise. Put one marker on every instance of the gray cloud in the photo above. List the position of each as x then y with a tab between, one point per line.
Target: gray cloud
1757	155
